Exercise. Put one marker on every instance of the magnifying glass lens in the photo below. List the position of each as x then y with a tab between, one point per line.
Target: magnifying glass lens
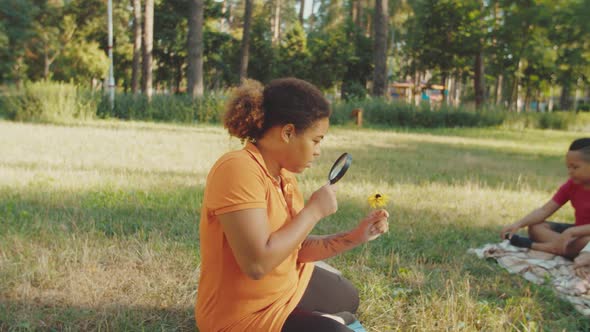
339	168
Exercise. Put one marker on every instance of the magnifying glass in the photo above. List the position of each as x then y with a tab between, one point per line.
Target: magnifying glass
340	167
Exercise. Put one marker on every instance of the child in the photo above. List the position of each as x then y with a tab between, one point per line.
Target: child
557	238
257	254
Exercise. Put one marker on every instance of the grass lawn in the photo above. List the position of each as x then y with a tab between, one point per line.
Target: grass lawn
99	224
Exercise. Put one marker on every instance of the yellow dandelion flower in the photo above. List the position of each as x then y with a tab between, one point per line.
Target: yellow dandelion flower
377	200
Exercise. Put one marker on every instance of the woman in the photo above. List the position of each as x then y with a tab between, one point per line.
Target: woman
256	252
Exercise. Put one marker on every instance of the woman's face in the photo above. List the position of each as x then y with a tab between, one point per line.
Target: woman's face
304	147
578	169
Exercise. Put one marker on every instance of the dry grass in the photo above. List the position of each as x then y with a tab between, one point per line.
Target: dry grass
98	225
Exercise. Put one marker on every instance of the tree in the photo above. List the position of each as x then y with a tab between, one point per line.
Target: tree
380	47
245	41
293	59
136	46
17	18
195	48
478	28
148	40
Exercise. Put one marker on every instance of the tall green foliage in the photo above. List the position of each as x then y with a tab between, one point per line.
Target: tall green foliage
16	18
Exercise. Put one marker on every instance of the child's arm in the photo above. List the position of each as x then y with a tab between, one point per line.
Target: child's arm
578	231
534	217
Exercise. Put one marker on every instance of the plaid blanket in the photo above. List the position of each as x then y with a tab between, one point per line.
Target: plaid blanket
541	267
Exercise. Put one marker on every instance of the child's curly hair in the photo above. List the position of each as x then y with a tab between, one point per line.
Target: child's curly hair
253	109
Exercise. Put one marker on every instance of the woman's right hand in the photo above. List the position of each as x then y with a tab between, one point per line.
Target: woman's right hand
508	231
323	201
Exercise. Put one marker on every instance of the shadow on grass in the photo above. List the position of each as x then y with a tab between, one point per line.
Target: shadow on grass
47	316
171	212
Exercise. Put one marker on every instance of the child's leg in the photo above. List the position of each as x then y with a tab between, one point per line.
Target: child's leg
558	248
582	262
543	232
576	246
543	237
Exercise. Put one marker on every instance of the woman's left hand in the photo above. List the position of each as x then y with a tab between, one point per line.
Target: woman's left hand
372	226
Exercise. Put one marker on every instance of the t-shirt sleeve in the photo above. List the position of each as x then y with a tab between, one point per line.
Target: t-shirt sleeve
236	184
563	194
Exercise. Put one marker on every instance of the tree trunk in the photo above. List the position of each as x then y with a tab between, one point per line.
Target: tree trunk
368	25
354	11
418	88
222	26
312	16
563	99
359	14
194	71
276	26
135	71
479	80
550	102
46	65
444	84
178	77
301	11
499	84
380	48
515	101
458	90
245	41
578	94
449	88
527	100
148	40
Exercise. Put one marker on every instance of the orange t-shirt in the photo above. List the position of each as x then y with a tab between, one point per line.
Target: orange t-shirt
227	299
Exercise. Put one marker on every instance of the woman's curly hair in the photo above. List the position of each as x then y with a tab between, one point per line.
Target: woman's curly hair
253	109
244	116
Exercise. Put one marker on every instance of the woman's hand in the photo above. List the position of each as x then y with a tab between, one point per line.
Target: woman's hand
372	226
323	201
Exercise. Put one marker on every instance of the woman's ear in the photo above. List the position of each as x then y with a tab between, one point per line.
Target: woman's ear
287	132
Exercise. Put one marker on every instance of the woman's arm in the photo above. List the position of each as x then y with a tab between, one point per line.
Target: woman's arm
316	247
256	249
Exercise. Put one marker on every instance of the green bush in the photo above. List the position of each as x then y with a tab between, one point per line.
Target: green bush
400	114
553	120
49	102
63	102
165	108
380	112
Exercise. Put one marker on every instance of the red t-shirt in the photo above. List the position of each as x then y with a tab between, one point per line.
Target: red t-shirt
579	197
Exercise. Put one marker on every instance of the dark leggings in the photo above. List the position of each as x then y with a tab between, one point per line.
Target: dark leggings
327	293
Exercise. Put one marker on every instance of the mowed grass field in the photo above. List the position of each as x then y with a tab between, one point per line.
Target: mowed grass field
99	225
